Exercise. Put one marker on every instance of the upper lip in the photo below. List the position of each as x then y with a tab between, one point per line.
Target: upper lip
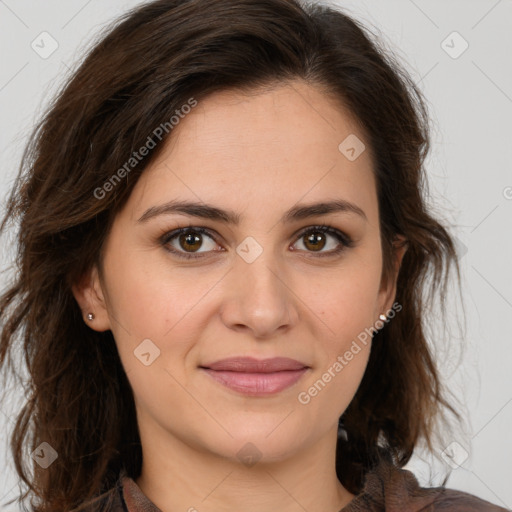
252	365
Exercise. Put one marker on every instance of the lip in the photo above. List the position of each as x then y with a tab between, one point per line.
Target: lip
256	377
253	365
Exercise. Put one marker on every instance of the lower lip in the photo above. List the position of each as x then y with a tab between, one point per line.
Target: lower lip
257	384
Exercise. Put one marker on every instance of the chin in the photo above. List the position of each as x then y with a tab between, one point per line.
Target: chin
266	444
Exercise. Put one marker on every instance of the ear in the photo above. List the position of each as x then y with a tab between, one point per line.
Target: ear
388	289
90	297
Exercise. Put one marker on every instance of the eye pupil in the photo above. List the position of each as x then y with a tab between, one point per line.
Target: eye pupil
188	239
314	239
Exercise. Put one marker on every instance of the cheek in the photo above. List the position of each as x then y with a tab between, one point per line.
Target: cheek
150	298
147	302
346	303
331	388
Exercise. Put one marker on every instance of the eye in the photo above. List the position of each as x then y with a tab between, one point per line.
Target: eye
186	242
315	238
187	239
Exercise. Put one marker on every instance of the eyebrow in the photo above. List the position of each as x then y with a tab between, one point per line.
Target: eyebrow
206	211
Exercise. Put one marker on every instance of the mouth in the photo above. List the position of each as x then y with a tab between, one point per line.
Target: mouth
256	377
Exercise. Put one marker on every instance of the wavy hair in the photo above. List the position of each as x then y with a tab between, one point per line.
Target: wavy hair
133	79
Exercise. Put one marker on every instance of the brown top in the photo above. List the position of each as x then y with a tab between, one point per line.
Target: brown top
386	489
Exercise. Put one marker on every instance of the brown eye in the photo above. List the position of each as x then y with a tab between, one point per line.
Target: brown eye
316	238
190	241
186	242
315	241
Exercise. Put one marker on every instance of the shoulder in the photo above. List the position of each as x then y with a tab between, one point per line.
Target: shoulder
453	500
388	488
110	501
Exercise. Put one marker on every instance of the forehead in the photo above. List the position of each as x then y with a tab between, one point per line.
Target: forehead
267	147
286	118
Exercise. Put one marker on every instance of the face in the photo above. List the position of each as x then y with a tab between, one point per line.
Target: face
270	285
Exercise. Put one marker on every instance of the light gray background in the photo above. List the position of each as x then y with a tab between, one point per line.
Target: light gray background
469	166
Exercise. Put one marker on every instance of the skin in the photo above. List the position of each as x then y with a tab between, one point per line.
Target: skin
258	155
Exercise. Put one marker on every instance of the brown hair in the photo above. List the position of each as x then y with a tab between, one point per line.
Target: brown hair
134	79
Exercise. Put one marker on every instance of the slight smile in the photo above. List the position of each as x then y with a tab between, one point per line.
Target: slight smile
256	377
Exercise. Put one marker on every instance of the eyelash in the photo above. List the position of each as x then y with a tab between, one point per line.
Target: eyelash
344	239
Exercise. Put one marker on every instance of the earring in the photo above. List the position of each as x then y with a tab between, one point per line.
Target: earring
383	317
90	316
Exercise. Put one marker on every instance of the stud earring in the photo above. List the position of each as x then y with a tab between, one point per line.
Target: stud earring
383	317
90	316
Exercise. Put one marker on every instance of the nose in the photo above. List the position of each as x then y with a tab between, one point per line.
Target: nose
257	298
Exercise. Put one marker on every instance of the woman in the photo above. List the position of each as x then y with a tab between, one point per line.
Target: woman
222	252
